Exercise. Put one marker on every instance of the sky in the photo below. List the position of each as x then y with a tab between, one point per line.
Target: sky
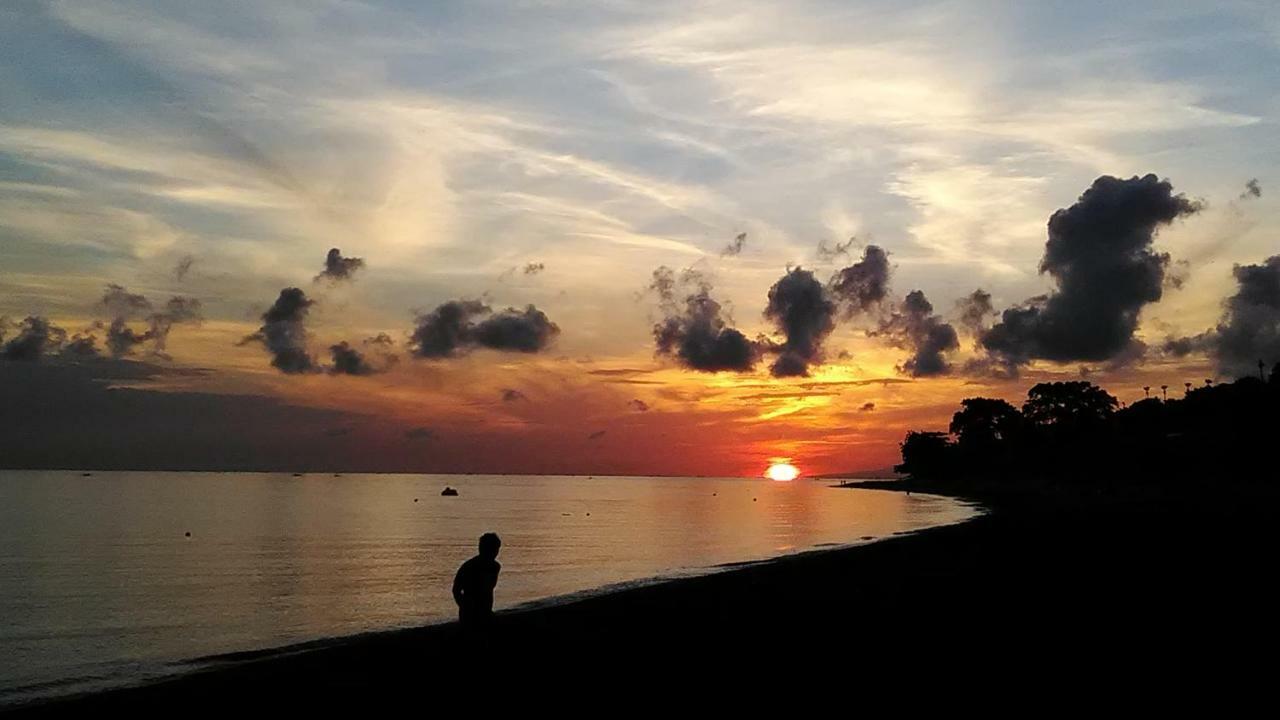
615	237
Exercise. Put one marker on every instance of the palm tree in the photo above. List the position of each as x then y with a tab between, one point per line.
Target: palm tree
1188	387
1164	389
1146	391
1208	382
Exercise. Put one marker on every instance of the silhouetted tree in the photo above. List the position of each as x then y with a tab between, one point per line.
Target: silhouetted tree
925	454
1068	404
983	422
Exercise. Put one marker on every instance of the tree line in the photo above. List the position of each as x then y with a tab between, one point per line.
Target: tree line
1078	432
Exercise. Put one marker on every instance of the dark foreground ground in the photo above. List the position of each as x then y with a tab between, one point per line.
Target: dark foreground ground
1079	598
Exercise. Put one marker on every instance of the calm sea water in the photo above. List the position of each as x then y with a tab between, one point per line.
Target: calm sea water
100	585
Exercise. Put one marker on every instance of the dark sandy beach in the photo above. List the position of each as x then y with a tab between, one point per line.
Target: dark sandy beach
1091	590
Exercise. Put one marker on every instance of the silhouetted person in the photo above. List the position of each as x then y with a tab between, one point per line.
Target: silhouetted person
473	585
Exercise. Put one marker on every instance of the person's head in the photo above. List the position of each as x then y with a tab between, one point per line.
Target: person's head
489	545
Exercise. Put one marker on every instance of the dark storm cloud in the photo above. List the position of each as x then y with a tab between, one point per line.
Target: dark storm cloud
338	268
1100	258
693	332
458	326
348	360
35	337
510	395
121	303
867	407
284	334
827	253
81	345
375	357
179	310
122	339
974	309
1249	330
638	405
512	330
734	248
125	306
862	286
183	267
534	268
1251	190
801	310
915	327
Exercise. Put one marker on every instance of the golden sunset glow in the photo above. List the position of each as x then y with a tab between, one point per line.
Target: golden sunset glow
782	472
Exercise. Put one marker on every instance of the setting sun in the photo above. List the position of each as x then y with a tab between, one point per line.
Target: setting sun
782	472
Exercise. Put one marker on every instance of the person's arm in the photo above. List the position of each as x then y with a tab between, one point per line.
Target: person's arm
457	585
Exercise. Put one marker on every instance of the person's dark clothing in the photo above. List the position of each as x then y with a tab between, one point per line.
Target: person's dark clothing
473	589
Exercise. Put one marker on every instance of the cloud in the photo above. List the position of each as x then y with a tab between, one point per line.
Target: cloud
638	405
183	267
103	413
81	345
512	395
974	309
458	326
338	268
284	334
802	311
734	248
376	356
827	253
1100	257
1251	190
914	327
693	332
125	306
596	435
862	286
867	407
534	268
1249	330
36	336
1177	274
348	360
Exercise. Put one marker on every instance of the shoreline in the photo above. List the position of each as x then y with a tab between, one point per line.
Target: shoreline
1168	580
182	670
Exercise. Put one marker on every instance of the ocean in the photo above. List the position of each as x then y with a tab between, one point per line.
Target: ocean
117	577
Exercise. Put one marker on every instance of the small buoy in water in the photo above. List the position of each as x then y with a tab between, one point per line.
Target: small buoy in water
188	533
588	514
754	499
448	492
714	494
415	499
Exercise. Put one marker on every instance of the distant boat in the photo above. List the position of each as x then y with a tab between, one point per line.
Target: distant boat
297	474
86	474
448	492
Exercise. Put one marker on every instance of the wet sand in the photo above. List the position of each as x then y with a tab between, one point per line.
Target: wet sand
1076	591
